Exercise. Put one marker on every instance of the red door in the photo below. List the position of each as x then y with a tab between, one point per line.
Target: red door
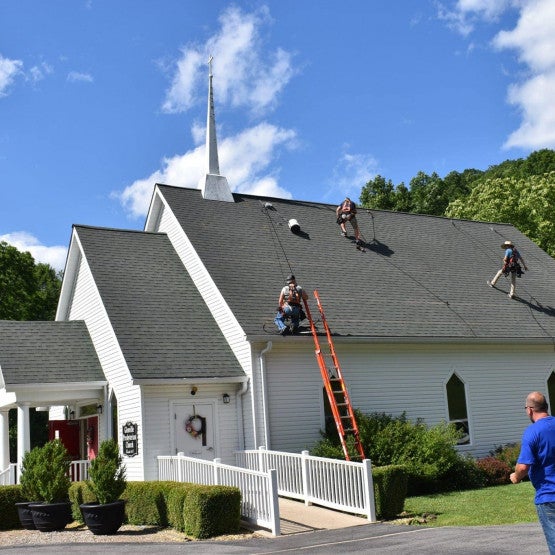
68	433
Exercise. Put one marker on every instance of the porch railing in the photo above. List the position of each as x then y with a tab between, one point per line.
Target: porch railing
341	485
259	496
8	476
78	471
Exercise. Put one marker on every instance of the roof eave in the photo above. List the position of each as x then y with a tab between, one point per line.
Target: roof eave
405	339
185	381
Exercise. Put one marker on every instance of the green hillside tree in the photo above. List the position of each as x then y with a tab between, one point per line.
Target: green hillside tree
28	291
378	194
527	203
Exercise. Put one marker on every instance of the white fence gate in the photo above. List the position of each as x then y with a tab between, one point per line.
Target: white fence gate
341	485
259	495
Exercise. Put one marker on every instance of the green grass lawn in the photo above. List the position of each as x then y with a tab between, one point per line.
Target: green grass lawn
488	506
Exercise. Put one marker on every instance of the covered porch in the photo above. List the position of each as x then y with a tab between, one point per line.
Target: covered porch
50	366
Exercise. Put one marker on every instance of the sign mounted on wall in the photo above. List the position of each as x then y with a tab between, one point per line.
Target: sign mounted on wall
130	440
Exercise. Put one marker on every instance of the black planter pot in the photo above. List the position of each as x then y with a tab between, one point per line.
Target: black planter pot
103	520
25	515
49	517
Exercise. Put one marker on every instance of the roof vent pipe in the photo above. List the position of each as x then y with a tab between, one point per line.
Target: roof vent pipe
294	226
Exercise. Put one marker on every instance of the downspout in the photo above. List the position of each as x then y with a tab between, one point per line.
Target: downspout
240	419
261	358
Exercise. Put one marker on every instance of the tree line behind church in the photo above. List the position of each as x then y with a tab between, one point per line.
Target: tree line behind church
520	192
28	291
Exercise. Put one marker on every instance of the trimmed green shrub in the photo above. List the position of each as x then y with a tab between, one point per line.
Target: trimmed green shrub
79	493
211	511
45	475
507	453
176	502
107	474
29	468
9	496
146	502
390	490
199	511
428	453
496	472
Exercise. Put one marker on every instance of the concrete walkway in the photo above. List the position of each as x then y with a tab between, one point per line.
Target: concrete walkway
296	517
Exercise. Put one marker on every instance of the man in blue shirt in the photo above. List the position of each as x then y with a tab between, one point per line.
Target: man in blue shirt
537	460
508	268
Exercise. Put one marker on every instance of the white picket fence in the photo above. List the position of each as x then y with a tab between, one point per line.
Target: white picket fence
259	495
341	485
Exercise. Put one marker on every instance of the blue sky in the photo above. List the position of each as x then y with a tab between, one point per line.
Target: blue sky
99	100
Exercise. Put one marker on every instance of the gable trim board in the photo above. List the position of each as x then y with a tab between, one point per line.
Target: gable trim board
166	222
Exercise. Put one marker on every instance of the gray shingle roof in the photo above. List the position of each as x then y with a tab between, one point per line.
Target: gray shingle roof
162	324
47	352
421	276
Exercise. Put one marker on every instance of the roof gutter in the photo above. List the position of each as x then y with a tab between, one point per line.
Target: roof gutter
185	381
396	340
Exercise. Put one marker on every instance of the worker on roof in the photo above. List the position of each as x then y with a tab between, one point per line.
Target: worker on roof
289	306
511	265
346	212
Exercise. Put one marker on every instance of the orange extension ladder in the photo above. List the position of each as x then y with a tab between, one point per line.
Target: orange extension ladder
336	390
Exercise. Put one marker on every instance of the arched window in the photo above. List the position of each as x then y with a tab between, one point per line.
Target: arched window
551	392
456	403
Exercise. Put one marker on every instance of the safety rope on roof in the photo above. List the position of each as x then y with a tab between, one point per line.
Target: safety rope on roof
533	301
413	278
279	249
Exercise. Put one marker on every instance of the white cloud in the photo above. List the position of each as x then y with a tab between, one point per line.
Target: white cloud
488	9
25	242
245	159
38	73
76	76
466	13
535	99
244	77
533	38
8	71
350	171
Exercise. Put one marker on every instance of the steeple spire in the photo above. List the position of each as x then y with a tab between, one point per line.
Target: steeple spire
213	185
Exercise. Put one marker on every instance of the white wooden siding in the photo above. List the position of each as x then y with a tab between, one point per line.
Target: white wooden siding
159	421
87	305
408	378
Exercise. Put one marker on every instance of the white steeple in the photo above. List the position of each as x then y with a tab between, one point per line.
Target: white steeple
213	185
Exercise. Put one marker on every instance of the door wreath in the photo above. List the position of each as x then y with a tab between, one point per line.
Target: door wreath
194	425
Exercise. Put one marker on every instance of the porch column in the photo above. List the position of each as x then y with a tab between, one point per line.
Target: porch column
4	439
23	433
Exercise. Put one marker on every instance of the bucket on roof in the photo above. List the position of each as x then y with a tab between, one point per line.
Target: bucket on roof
294	226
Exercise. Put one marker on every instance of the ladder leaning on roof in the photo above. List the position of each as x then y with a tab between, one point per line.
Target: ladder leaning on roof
336	389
